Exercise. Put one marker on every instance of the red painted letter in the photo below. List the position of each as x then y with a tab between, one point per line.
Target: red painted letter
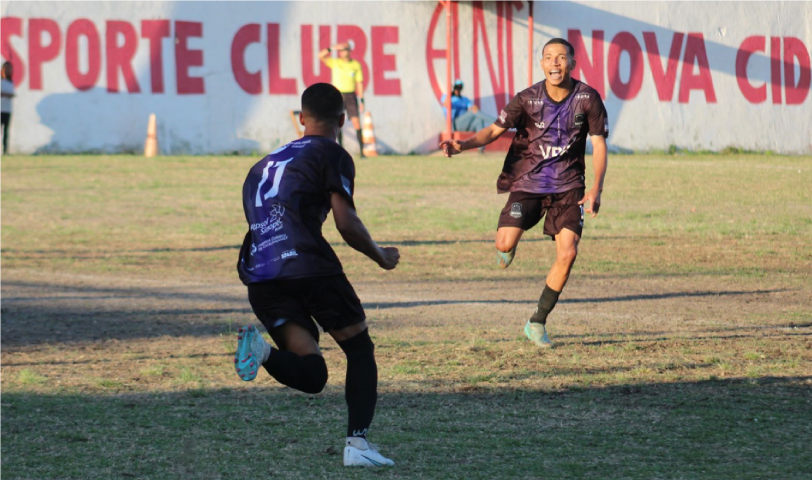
663	80
382	63
12	26
250	82
345	33
155	31
775	69
749	46
625	42
39	53
85	28
185	58
695	53
592	71
121	57
308	74
277	84
795	49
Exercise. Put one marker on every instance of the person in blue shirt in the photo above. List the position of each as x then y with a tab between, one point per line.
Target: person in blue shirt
465	115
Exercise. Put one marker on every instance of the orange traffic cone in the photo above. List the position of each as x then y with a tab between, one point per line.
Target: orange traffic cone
151	144
368	134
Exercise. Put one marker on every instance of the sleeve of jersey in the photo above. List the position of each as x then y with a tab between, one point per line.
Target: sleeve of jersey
340	177
511	115
359	76
598	120
329	61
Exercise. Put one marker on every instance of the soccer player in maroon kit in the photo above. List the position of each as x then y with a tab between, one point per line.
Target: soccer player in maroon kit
544	169
294	278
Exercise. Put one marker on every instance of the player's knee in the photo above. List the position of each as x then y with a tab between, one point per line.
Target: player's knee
317	374
504	245
568	255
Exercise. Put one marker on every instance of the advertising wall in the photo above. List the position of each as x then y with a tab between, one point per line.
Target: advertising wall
222	76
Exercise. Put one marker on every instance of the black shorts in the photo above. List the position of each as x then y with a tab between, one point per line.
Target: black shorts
330	301
524	210
351	104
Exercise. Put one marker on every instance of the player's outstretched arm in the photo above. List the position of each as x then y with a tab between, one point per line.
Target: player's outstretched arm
353	231
592	198
482	138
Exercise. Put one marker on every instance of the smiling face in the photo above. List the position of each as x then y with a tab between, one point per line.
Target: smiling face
557	64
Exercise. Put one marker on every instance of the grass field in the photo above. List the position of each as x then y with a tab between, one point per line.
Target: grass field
684	338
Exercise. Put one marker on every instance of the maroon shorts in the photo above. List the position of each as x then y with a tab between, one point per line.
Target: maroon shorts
351	104
524	210
330	301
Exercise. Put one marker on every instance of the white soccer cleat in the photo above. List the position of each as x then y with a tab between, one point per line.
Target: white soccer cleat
360	453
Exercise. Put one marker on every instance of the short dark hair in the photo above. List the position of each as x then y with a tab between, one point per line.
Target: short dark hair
561	41
323	102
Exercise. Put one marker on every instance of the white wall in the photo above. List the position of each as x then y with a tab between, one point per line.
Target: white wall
57	116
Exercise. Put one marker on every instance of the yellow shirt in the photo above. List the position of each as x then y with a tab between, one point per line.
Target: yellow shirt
345	74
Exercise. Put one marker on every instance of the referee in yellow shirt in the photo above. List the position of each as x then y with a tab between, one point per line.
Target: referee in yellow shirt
348	78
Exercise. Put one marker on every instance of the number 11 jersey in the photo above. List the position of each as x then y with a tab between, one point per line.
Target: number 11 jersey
286	199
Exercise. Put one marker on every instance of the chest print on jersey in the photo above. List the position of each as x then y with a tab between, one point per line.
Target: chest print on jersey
579	119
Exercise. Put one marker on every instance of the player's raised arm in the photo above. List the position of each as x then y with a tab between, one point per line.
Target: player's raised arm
482	138
353	231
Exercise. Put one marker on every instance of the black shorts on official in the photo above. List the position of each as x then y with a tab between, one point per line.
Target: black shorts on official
561	210
330	301
351	104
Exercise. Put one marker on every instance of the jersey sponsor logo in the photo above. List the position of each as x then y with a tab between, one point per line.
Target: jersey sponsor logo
289	254
267	243
551	152
535	102
516	210
502	116
253	249
540	125
581	95
273	222
300	143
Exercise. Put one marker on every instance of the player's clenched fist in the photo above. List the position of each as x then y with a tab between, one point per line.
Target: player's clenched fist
390	256
451	147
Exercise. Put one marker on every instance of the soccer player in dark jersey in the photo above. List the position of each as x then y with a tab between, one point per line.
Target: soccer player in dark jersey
544	169
294	277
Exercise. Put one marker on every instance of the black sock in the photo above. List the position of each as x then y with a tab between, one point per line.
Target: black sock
307	374
360	135
362	383
547	301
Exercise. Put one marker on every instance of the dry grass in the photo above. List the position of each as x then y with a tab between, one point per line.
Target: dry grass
684	336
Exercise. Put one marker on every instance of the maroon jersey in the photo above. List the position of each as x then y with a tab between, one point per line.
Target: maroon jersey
547	154
286	198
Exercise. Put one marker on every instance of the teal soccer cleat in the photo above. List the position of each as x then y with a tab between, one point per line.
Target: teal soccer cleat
537	333
504	259
250	352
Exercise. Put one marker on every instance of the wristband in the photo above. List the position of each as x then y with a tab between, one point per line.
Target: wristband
328	50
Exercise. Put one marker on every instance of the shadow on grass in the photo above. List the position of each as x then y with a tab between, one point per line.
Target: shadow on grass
26	254
755	428
36	313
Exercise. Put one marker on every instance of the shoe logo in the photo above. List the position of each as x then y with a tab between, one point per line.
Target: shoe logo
376	463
